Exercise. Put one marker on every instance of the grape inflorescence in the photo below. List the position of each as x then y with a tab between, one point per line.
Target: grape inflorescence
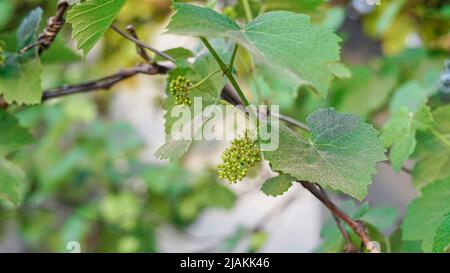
242	155
179	88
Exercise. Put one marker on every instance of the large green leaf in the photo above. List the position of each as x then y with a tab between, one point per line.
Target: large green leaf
20	76
282	40
433	150
91	19
12	136
277	185
425	214
399	133
341	152
441	241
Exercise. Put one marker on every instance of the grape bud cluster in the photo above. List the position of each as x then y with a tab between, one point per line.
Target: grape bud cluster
242	155
179	87
444	82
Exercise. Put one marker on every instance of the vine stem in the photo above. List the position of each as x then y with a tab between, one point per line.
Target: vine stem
248	10
142	44
205	79
226	71
104	83
357	226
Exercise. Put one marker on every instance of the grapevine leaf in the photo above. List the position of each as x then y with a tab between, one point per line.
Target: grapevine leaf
277	185
441	240
13	136
361	94
178	53
197	21
26	34
425	214
20	76
411	95
433	150
10	178
399	133
59	53
282	40
341	152
401	246
91	19
209	91
340	70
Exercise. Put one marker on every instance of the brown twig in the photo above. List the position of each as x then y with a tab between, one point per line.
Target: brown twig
140	50
349	246
357	226
104	83
143	45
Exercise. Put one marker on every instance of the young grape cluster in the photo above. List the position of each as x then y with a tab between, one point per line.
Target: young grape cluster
180	89
444	83
242	155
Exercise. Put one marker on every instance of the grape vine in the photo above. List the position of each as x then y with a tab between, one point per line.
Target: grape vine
286	52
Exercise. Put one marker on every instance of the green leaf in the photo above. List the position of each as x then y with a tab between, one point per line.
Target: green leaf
340	70
400	246
59	53
399	133
198	21
10	179
410	95
381	217
282	40
441	241
13	136
277	185
361	93
27	32
209	91
341	152
425	214
433	150
178	53
91	19
20	76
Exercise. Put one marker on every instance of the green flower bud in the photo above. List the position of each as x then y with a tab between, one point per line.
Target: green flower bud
239	158
180	89
230	12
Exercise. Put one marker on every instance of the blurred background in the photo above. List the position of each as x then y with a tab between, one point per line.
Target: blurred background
91	174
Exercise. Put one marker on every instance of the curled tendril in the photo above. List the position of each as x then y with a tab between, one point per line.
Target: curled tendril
242	155
179	87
